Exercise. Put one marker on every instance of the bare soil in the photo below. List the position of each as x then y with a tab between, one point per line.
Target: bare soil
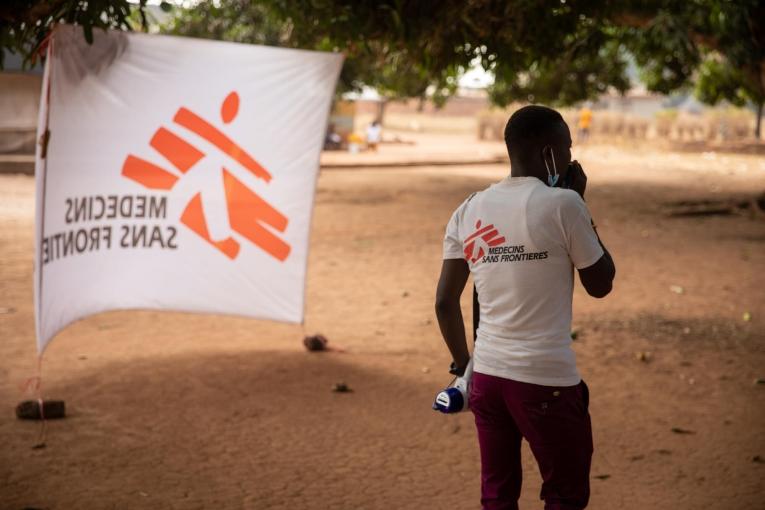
169	410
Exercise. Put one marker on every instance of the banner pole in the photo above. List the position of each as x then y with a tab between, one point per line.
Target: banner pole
44	140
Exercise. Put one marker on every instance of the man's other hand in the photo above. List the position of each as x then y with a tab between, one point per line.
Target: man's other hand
577	178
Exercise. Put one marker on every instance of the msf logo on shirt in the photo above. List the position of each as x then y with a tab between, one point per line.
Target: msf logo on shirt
249	215
479	242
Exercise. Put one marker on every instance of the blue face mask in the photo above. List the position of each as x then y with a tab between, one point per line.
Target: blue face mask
552	178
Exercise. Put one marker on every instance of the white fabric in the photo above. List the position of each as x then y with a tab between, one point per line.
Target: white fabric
522	264
374	133
118	194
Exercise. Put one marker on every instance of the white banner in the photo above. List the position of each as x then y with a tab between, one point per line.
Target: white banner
179	175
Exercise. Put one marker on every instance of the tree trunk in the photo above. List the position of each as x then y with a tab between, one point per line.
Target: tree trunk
759	122
381	110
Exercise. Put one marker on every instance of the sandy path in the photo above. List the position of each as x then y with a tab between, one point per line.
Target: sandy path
171	410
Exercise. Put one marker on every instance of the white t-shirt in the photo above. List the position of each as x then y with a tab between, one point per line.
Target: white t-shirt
522	240
374	132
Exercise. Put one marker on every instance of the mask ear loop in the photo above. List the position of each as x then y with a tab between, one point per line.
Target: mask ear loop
552	179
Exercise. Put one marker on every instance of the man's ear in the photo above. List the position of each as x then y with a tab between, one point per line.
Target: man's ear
547	153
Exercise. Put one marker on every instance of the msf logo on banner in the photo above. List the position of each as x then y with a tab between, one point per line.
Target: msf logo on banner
481	241
249	215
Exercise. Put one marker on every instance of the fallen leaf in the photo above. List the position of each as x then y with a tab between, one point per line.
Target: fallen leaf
341	387
644	356
747	316
676	289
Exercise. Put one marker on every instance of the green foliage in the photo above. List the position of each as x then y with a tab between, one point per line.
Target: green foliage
716	46
241	21
372	62
558	52
664	51
26	23
735	70
672	45
589	66
718	81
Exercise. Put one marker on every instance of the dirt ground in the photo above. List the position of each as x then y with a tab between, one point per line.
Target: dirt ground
183	411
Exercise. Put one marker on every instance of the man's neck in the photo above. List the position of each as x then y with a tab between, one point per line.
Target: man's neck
519	171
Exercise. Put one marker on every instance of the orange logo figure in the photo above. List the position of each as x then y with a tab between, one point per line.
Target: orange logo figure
247	212
487	235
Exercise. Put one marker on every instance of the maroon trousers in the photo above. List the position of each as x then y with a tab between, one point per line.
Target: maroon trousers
556	423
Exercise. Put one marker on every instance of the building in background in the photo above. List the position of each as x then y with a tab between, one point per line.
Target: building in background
19	107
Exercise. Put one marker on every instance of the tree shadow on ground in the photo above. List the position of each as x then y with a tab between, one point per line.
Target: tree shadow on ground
253	429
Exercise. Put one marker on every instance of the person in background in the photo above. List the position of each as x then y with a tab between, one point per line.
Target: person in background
584	120
520	239
374	135
332	141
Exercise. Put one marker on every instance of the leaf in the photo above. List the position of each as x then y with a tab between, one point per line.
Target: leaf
644	356
341	387
166	6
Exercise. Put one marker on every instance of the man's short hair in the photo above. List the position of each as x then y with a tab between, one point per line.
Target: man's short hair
529	124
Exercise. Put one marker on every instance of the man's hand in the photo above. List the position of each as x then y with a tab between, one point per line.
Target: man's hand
577	178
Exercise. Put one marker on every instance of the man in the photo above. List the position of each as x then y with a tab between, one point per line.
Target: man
520	239
374	135
584	120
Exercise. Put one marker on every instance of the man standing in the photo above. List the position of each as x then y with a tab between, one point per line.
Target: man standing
520	239
374	135
584	119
